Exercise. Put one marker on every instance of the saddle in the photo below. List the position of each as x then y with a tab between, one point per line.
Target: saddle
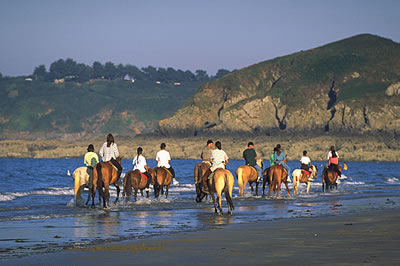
306	172
144	176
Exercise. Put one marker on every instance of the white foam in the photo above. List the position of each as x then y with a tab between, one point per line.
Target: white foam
392	180
49	191
5	197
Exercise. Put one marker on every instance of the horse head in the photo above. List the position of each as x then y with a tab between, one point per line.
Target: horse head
314	171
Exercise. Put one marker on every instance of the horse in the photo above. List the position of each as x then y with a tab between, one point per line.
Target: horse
135	180
104	175
329	178
199	171
275	176
299	176
161	178
81	181
247	173
222	181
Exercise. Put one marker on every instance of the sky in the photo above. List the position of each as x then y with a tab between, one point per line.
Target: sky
186	34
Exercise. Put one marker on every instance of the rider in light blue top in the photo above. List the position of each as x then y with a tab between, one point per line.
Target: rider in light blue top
280	158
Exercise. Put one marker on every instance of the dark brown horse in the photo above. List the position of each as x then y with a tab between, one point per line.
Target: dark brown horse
329	178
161	178
199	171
104	175
275	176
137	181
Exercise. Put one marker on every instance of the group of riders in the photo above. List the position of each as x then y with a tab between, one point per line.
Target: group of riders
216	158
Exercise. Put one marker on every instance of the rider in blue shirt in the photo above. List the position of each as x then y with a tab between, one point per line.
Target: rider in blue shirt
280	158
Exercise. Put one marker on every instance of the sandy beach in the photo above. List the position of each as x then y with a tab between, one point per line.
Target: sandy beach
367	238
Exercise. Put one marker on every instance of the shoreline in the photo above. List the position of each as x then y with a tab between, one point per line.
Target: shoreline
368	237
350	148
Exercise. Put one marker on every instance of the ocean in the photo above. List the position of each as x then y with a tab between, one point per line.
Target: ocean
38	213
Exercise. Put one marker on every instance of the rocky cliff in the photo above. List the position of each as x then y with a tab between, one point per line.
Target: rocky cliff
350	86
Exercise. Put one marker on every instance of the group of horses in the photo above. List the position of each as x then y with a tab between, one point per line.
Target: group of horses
220	181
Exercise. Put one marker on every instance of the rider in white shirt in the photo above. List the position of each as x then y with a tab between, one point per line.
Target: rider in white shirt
163	158
109	152
139	163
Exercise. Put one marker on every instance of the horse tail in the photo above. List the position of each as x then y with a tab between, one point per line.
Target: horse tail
227	190
196	173
99	180
239	175
128	184
76	178
274	179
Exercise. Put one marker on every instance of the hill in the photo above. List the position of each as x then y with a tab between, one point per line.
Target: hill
31	109
351	86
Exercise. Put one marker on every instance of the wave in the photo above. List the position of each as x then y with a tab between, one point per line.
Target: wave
392	180
52	191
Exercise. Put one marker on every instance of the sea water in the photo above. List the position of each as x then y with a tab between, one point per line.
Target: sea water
38	213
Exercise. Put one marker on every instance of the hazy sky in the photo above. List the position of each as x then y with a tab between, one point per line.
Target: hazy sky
183	34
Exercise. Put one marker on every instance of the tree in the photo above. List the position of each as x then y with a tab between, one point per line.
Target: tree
110	71
134	72
84	73
39	72
151	73
202	75
121	71
58	69
98	70
221	73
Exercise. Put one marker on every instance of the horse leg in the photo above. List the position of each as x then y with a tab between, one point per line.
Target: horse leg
166	191
141	192
136	191
256	188
219	196
278	188
251	186
162	190
118	191
213	198
287	188
88	199
106	197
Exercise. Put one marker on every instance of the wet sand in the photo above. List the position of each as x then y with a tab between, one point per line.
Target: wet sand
366	238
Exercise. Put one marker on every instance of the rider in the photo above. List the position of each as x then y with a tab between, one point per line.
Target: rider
271	158
218	160
90	160
163	158
109	152
305	163
280	158
139	163
206	152
250	156
333	161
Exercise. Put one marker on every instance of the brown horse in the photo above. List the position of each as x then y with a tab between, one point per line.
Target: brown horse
299	176
276	175
247	174
199	170
104	175
329	178
222	181
135	180
161	178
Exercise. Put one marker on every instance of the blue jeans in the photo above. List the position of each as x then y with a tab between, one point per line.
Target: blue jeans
285	166
259	170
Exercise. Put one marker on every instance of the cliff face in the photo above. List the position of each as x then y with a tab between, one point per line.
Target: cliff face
347	86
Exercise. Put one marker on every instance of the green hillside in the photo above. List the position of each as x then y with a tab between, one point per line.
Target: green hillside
94	107
301	92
